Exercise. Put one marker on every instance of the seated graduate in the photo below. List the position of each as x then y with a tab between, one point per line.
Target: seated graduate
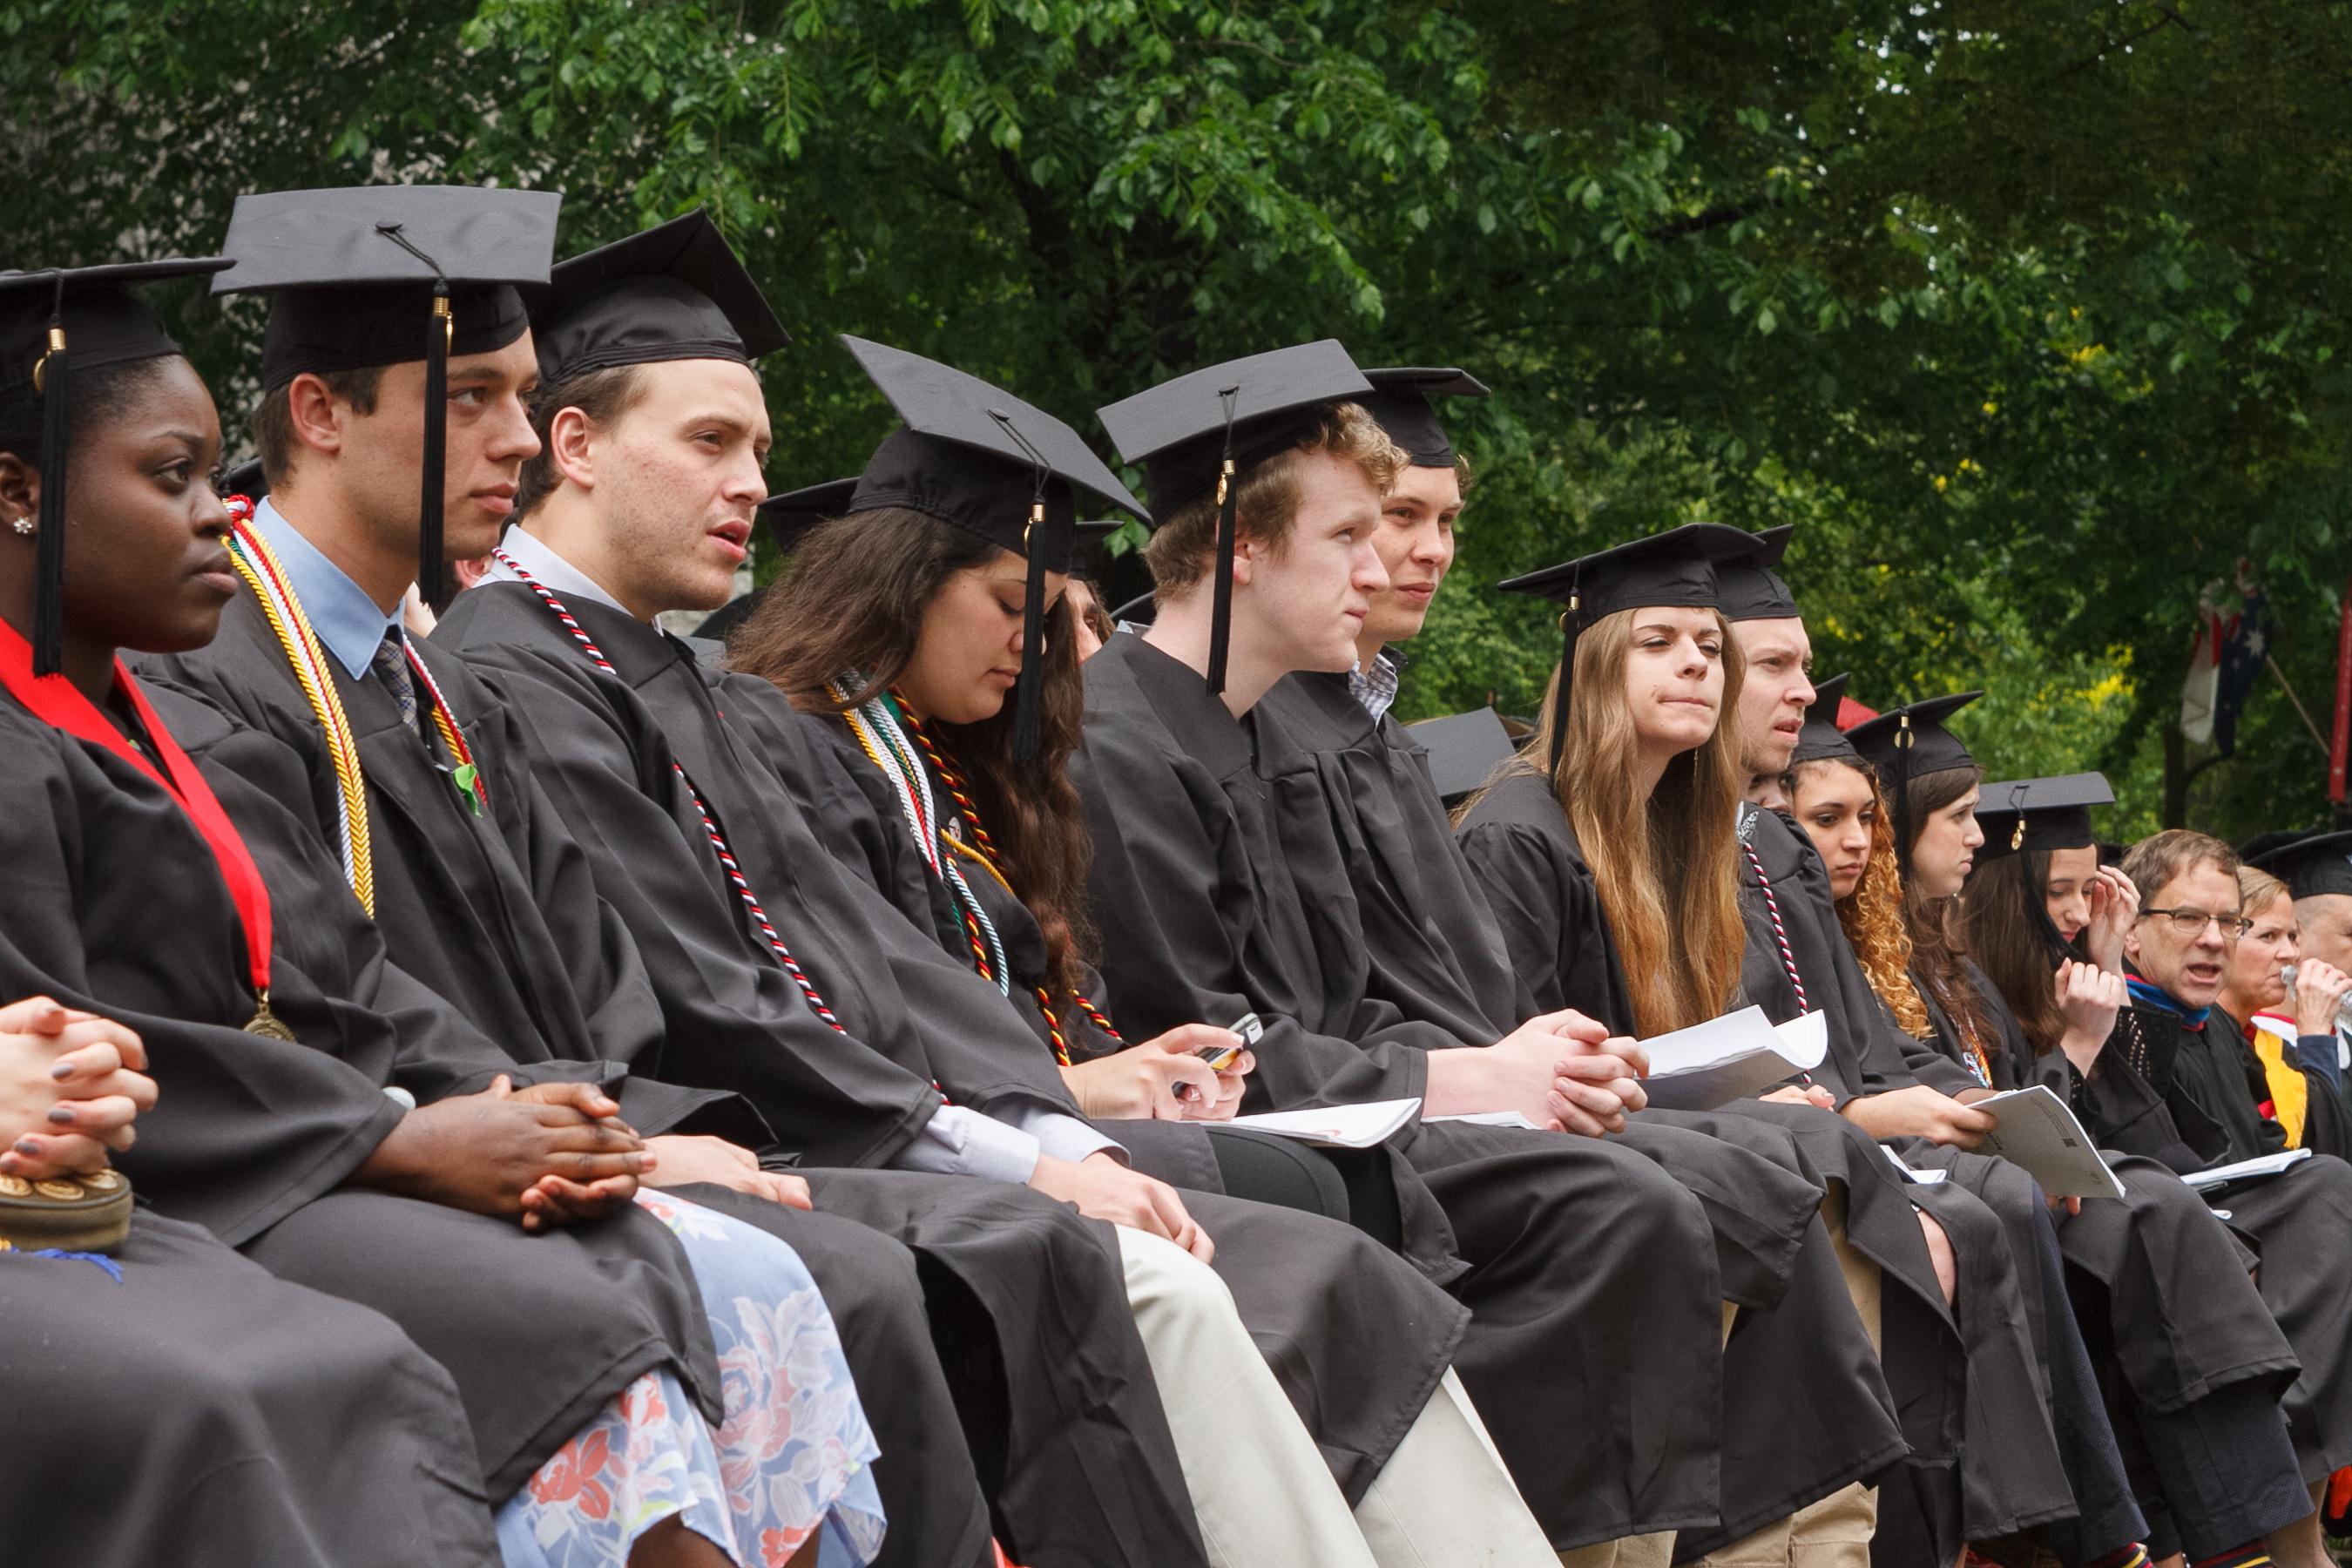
319	1110
233	1418
1359	787
1204	915
676	778
2155	1281
1644	929
414	764
926	638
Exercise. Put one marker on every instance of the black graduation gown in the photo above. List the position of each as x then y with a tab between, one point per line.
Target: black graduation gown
499	908
1071	1390
2136	1099
1594	1352
1526	853
1356	1362
1433	949
200	1411
115	905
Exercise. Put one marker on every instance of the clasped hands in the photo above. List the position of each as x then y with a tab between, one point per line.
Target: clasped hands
551	1154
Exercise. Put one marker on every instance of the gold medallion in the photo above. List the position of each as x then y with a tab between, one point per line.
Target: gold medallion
15	1187
266	1022
102	1181
64	1191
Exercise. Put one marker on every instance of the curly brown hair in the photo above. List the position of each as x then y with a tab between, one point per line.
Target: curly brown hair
1872	915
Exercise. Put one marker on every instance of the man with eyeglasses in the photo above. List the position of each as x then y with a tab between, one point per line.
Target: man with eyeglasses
2168	1085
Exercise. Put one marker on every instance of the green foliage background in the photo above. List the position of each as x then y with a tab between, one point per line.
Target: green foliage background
2028	311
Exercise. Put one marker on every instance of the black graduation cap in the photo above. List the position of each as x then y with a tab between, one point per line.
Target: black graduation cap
789	517
1752	588
1465	750
2040	814
246	480
1200	432
1904	744
54	324
381	275
674	291
1821	740
2310	864
1675	569
1399	401
979	459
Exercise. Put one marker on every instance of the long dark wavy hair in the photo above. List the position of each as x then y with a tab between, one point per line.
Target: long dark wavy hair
853	603
1939	949
2006	919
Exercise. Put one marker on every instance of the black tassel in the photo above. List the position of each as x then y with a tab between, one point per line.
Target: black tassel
1220	598
431	572
1899	785
1571	621
55	385
1220	591
1028	691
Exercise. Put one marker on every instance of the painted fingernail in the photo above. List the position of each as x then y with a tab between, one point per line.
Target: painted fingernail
62	1116
28	1145
62	1070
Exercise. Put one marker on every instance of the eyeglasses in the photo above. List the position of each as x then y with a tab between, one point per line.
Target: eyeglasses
2190	924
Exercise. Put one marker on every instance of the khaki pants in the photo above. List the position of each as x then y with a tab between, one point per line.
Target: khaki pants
1259	1484
1835	1531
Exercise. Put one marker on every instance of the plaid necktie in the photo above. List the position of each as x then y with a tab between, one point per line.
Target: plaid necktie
391	664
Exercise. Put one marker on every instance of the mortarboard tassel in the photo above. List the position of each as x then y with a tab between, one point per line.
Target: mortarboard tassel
431	572
1572	622
53	380
1899	786
1028	690
1028	687
1221	593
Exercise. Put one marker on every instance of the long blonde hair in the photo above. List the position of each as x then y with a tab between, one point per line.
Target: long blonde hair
1664	862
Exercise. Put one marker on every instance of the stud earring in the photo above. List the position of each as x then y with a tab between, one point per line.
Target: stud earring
23	526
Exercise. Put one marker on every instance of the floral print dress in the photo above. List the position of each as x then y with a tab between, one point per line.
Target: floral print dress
791	1458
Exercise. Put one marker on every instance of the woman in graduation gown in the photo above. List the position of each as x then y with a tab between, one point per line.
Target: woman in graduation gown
173	1402
2188	1353
1647	675
894	630
286	1124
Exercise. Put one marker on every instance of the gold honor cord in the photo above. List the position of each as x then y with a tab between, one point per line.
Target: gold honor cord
258	565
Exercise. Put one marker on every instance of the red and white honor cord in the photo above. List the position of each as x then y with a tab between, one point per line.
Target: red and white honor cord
727	861
1779	929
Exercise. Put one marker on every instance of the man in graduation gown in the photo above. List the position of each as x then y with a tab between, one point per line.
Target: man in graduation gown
675	778
1200	903
475	882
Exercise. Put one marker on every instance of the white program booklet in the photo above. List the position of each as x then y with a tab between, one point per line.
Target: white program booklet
2244	1170
1337	1126
1490	1118
2039	1135
1731	1058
